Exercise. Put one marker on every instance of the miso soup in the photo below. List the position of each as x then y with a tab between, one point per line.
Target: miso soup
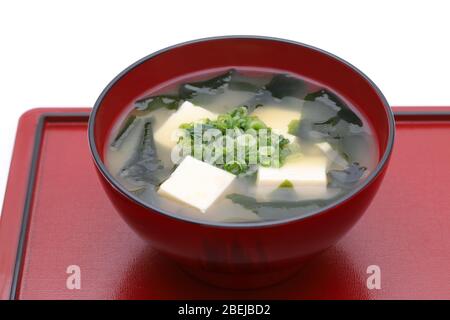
241	145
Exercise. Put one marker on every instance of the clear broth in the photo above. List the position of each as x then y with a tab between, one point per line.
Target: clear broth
356	142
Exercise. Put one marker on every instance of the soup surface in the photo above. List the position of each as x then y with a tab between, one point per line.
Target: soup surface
241	145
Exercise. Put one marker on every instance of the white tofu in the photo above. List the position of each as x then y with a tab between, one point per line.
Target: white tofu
307	174
333	156
278	117
165	135
196	183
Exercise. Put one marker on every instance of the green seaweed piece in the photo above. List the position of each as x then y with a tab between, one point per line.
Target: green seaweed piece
348	177
344	113
148	104
142	108
283	85
253	205
125	129
243	86
349	116
209	86
331	121
144	165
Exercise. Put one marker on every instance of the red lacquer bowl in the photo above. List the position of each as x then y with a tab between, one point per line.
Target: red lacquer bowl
253	254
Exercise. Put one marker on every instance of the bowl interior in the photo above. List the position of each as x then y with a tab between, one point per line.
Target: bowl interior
226	52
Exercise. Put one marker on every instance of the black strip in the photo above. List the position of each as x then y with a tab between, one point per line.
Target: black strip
53	117
83	117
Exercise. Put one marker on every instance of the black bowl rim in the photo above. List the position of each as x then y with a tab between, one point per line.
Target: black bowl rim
233	225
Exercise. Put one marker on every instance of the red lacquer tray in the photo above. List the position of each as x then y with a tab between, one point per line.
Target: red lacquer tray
55	215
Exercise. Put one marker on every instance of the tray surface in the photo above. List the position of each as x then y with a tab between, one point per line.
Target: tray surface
56	215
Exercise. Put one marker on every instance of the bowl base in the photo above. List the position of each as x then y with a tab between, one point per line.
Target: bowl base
242	281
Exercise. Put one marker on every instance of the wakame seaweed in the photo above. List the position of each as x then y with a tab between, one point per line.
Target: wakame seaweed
283	85
331	129
344	113
148	104
209	86
254	205
243	86
348	177
144	164
128	125
143	107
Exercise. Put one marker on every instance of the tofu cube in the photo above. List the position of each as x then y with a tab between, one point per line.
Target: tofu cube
307	175
278	117
196	183
165	135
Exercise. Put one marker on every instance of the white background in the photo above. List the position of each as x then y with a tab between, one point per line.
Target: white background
56	53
